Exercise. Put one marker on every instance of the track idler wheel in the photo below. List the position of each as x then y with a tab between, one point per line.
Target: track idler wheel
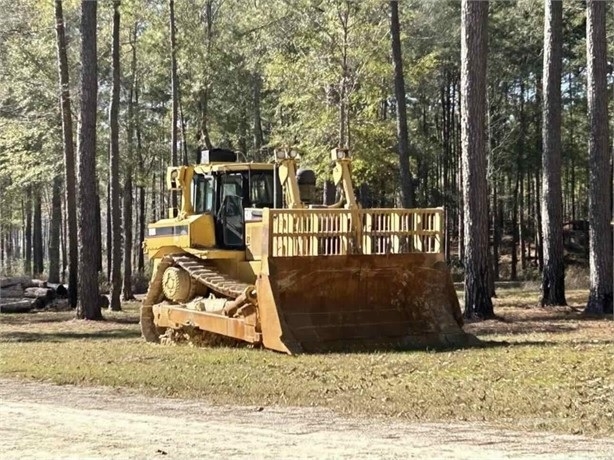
177	285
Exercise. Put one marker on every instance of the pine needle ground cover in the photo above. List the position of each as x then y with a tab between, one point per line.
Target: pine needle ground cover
545	369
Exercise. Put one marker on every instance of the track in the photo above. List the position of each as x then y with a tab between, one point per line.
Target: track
207	274
203	271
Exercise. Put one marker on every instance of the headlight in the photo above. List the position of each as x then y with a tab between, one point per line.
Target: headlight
293	153
280	154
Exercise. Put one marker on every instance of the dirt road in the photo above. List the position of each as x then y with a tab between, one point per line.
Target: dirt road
40	420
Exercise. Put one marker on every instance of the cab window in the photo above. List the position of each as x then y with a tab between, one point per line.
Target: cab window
202	194
261	190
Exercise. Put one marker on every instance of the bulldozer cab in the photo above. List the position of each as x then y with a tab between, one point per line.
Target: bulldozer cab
227	195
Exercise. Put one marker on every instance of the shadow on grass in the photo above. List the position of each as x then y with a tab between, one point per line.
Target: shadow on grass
553	322
551	314
525	327
60	317
542	343
68	336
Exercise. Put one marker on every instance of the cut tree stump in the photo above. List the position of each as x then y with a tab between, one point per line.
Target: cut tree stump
61	290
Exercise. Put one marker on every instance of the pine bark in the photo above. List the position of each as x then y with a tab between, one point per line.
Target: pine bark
407	192
54	230
89	298
128	237
69	157
205	93
116	211
128	185
474	23
600	195
174	93
258	134
98	233
139	149
553	277
37	234
28	233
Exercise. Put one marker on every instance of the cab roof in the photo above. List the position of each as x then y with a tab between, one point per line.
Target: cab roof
225	167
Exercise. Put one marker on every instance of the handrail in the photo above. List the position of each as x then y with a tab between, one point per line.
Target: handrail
314	232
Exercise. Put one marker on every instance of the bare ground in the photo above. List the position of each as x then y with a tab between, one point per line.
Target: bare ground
40	420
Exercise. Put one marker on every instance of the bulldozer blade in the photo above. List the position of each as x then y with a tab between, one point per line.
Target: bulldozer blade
359	302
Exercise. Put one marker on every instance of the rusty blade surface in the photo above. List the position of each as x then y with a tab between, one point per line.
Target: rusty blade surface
359	302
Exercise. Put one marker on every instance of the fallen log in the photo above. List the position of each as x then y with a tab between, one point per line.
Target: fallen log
38	304
35	284
16	305
6	281
13	291
43	293
61	290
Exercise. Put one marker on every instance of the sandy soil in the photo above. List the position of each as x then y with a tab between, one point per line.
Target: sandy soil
39	420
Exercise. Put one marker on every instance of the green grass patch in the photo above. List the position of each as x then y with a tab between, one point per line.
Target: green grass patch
547	369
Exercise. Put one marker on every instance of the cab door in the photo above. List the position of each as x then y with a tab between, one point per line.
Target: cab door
230	217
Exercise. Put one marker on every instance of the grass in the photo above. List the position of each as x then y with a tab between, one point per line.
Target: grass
548	369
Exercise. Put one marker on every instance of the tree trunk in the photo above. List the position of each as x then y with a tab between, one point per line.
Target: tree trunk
174	94
128	239
553	281
515	231
109	234
37	234
64	240
28	233
89	298
184	142
474	23
205	93
539	238
497	219
142	219
69	158
258	136
154	209
600	195
116	212
54	232
407	192
519	166
98	233
4	262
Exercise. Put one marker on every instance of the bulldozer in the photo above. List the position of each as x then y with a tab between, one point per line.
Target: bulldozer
249	255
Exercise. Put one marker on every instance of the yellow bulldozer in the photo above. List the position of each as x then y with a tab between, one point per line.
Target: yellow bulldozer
249	255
